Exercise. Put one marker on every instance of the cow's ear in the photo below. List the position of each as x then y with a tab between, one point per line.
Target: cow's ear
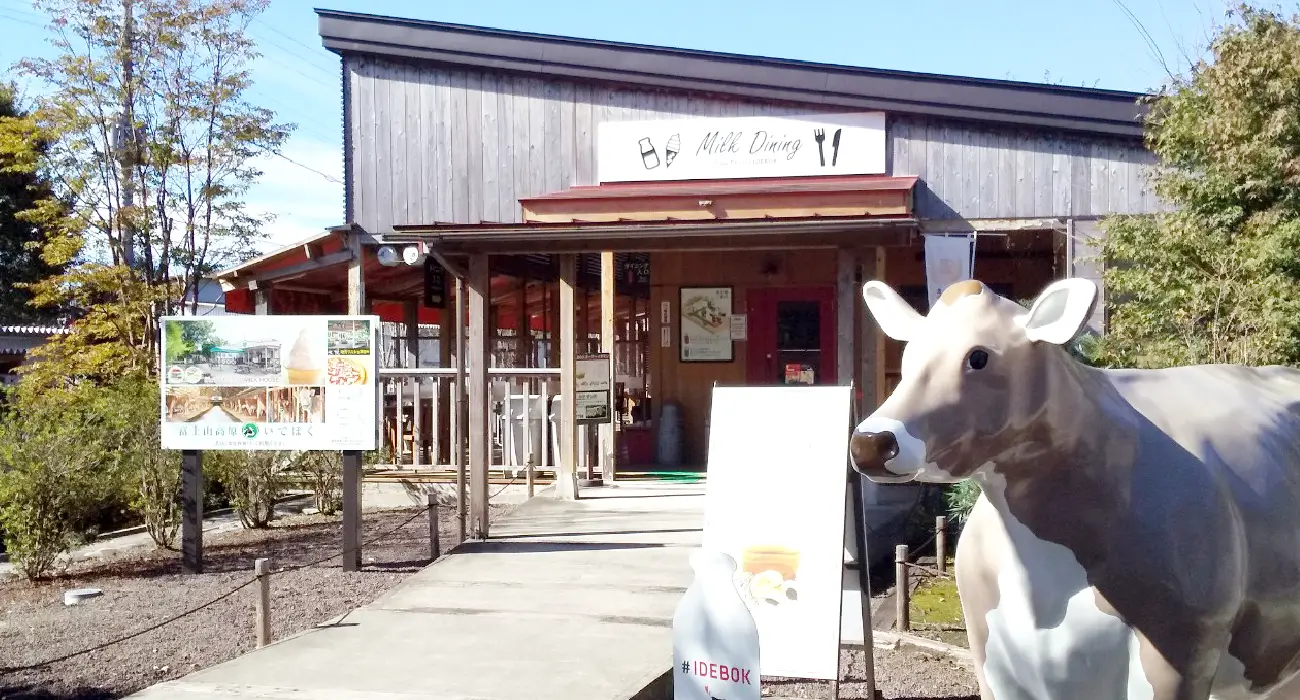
896	317
1060	312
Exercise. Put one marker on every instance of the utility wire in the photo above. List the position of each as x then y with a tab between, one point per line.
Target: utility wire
210	603
305	59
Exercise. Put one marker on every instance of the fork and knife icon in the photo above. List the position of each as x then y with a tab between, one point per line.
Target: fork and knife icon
819	135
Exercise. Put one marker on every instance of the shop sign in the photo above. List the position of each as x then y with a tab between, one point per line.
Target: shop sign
435	284
269	383
591	374
715	641
706	324
741	147
775	503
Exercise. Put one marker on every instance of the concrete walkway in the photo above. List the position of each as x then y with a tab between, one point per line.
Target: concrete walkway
567	601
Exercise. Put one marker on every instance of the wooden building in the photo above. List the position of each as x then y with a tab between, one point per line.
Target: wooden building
587	195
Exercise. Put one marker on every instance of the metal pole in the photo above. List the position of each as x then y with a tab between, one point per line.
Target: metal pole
262	567
351	510
864	582
192	511
127	145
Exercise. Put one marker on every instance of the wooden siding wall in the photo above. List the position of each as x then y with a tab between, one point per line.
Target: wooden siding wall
438	144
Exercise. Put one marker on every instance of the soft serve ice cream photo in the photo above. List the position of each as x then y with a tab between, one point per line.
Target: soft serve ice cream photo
304	364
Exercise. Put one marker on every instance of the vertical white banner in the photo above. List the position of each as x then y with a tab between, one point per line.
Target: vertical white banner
948	259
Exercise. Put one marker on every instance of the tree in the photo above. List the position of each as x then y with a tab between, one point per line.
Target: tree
20	238
1216	278
150	140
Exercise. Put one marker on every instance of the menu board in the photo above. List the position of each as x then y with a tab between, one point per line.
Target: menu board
269	382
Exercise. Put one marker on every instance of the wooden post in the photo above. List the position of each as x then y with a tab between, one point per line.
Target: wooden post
608	344
566	481
523	331
881	390
479	447
941	543
900	588
460	412
351	510
356	277
435	547
261	298
192	511
846	305
531	476
262	568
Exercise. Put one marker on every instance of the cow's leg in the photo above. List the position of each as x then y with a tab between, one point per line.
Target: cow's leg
1170	683
979	553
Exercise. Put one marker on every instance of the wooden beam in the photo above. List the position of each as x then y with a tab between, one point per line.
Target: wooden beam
460	411
411	317
608	314
302	268
982	225
262	300
846	304
479	436
879	345
523	323
566	485
356	276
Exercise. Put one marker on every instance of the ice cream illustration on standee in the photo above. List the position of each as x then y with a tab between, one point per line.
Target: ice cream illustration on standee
306	362
649	156
672	149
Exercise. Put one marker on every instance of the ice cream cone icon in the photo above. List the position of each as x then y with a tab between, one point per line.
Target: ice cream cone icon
672	149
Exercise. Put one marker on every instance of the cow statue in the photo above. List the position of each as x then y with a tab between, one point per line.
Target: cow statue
1138	531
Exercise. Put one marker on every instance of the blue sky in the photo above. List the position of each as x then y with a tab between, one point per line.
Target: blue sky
1090	42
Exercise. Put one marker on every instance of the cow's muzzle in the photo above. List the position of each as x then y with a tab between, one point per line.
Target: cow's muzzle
870	451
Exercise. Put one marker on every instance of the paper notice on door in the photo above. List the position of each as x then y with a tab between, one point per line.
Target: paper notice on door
739	327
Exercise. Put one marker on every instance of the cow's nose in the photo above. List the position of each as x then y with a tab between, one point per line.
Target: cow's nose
870	451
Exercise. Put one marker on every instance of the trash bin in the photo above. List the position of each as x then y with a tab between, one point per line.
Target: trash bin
670	435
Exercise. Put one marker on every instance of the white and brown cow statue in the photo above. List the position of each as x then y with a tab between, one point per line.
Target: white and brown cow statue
1138	535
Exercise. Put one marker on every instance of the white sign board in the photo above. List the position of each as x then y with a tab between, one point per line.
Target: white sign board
949	259
715	641
739	326
269	382
775	503
593	388
741	147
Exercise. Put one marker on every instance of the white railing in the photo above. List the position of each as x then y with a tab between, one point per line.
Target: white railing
418	419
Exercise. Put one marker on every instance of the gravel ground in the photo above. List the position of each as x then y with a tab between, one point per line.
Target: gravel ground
142	588
902	674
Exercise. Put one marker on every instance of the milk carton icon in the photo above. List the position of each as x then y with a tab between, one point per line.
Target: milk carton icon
715	638
649	156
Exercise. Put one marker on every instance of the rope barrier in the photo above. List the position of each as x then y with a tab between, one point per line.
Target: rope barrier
31	667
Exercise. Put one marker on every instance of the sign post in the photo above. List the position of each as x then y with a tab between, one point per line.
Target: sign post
593	393
268	383
192	511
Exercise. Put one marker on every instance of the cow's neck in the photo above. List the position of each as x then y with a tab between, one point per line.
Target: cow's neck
1071	462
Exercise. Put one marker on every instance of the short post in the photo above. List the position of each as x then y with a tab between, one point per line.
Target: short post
530	475
900	589
262	567
941	543
435	547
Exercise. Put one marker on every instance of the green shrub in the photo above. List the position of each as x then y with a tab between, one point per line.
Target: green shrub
253	480
961	498
151	475
53	474
324	473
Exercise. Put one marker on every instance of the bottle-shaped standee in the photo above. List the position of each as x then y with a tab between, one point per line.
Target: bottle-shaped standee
715	638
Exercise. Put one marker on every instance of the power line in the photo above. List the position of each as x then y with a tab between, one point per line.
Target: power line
21	20
327	176
299	56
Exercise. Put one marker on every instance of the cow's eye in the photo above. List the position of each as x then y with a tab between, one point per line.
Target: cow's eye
977	359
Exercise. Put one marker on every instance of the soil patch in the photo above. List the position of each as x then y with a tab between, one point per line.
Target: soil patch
144	587
905	673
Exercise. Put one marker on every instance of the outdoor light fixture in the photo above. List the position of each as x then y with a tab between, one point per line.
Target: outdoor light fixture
413	255
387	256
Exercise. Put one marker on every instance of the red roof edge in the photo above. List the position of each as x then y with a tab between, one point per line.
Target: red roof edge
772	185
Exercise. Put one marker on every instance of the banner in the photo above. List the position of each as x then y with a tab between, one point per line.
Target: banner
948	259
269	383
775	503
